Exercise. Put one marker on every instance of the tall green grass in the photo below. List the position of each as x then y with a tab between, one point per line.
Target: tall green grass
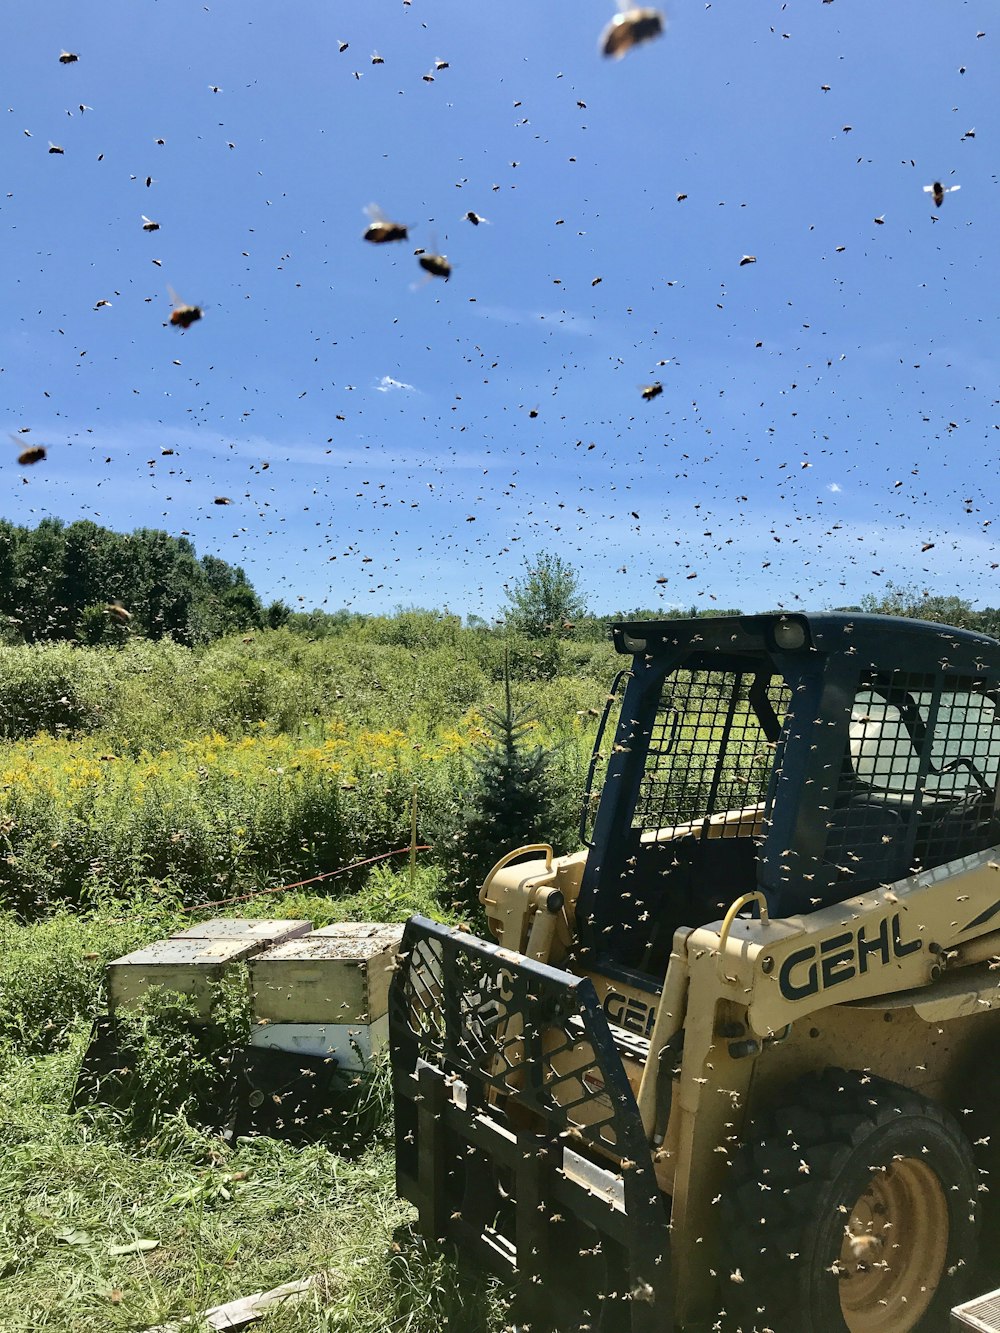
209	772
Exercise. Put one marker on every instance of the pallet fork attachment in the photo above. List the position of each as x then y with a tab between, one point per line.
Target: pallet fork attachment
518	1135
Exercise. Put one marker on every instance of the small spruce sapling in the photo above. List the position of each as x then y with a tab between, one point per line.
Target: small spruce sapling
513	796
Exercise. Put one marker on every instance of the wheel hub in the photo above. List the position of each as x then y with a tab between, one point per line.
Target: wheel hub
894	1249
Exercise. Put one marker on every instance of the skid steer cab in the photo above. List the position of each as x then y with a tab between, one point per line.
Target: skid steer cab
732	1065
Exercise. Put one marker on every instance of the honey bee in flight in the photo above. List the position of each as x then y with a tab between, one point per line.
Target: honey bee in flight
183	316
33	454
437	265
651	391
630	28
380	229
937	192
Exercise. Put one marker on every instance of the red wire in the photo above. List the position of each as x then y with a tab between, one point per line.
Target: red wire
299	884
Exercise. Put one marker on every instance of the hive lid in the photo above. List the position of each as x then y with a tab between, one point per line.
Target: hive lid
187	953
346	941
244	928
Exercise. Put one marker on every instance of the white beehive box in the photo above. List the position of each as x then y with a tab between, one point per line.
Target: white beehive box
326	994
193	964
339	974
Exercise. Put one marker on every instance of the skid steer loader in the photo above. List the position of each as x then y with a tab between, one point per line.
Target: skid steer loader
732	1064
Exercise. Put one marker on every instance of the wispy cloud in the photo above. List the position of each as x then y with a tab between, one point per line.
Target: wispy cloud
386	385
566	320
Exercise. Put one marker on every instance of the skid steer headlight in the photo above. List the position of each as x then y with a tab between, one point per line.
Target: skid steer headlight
789	634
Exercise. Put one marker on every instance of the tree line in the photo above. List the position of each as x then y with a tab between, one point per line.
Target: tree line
86	583
83	582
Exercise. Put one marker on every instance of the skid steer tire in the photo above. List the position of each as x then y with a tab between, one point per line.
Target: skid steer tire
852	1205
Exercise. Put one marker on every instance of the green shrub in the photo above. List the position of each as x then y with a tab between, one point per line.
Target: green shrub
52	972
50	687
172	1064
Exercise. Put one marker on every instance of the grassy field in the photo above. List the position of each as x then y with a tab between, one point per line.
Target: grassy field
119	1220
138	782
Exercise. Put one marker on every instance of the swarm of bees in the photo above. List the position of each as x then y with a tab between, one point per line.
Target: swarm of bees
630	28
937	192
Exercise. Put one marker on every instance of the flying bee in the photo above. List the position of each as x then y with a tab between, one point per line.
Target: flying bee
937	192
476	218
651	391
440	64
148	224
434	264
68	57
377	59
117	612
183	316
630	28
54	148
380	229
33	454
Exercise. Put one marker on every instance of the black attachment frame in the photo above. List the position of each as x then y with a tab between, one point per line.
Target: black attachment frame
518	1137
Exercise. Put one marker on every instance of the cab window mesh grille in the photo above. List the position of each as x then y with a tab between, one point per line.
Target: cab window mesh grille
919	784
709	753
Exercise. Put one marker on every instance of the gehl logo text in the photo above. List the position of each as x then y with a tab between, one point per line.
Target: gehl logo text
853	953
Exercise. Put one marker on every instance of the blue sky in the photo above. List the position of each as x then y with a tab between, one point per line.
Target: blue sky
827	411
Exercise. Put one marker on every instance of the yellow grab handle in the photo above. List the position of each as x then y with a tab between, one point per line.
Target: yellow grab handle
734	911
